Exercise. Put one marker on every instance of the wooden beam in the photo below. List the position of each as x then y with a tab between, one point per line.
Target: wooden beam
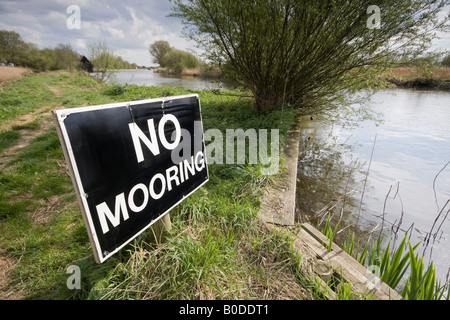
278	206
336	264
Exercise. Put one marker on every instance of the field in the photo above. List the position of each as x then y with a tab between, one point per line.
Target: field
217	248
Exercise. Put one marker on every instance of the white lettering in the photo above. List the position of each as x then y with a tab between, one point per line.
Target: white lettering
104	212
137	135
157	187
207	311
131	202
162	136
200	161
172	177
154	195
152	144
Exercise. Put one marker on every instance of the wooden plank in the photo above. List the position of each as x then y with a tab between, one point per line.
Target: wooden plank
278	205
311	243
352	270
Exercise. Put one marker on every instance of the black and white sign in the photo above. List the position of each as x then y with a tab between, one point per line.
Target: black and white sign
131	163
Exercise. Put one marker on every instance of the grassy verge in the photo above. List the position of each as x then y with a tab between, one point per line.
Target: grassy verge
437	78
216	250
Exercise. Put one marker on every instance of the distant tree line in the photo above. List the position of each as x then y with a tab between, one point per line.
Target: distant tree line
14	50
172	59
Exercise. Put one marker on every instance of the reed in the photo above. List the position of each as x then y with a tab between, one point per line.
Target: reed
329	232
393	264
423	285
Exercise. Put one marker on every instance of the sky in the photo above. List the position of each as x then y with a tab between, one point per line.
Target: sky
127	27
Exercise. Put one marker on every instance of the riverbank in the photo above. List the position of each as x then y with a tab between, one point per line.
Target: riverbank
436	79
204	72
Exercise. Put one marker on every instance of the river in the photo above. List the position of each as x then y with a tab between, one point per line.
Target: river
388	175
150	78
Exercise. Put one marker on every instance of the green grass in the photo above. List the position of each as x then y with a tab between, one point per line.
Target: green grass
23	96
8	139
217	249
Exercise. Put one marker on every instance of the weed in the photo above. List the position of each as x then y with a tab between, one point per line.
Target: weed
392	265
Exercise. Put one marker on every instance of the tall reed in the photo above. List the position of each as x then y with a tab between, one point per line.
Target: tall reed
392	265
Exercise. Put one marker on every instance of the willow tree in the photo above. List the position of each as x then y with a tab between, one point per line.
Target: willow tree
309	52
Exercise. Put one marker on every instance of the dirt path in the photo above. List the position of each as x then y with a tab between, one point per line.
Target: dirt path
54	90
27	135
44	116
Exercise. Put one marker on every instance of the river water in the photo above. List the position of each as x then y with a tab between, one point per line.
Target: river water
389	175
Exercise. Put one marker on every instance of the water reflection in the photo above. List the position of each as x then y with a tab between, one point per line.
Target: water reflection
327	177
412	147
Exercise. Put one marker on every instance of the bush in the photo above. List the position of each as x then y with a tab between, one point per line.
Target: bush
177	60
446	61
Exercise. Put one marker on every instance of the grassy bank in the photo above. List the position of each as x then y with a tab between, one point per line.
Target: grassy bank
217	249
436	78
204	71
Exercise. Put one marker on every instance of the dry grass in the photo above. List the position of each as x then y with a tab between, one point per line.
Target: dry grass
413	73
11	73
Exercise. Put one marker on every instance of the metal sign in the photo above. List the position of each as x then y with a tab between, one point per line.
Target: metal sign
131	163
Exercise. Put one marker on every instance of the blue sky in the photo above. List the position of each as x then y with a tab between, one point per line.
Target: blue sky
128	27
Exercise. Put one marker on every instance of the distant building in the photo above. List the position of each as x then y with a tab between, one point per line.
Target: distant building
86	65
